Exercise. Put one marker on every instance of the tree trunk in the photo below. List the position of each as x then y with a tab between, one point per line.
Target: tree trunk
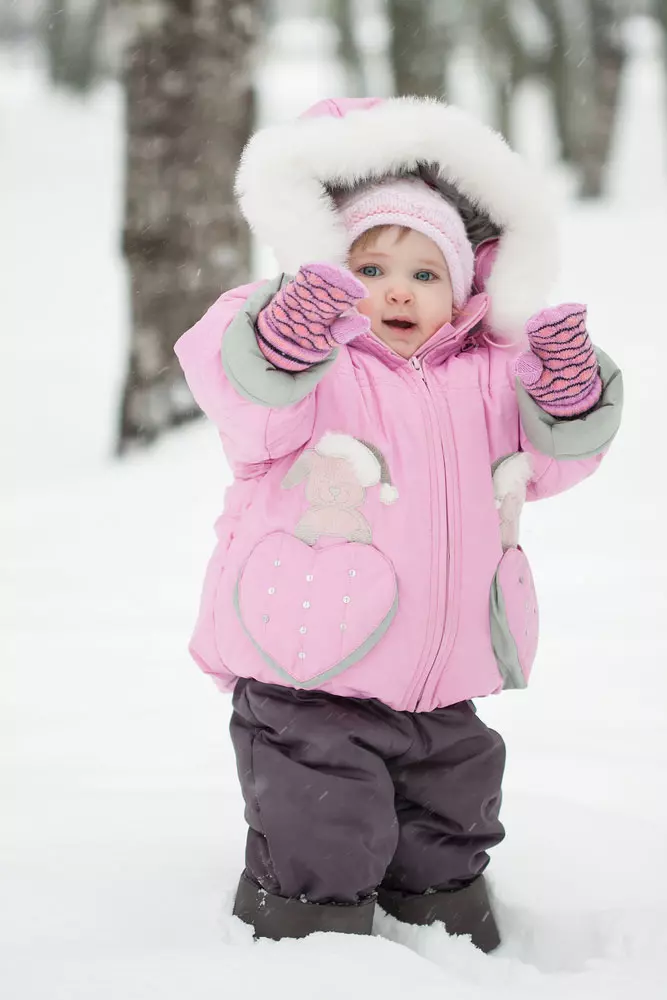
342	13
189	96
584	73
418	49
660	12
507	58
557	72
71	36
609	57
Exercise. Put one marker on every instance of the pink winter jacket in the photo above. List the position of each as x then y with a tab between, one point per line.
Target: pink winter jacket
369	542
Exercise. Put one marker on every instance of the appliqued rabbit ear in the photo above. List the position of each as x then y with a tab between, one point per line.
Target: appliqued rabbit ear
510	479
299	471
511	475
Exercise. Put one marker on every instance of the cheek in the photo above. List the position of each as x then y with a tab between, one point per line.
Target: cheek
440	309
369	307
366	306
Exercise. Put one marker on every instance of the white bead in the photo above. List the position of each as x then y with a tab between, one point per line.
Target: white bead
351	572
302	655
343	626
346	600
306	604
265	618
303	630
276	562
272	590
309	578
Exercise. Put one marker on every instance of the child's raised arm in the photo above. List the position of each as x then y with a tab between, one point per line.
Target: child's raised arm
570	398
310	316
262	411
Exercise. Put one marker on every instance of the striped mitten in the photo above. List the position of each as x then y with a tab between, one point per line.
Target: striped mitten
560	371
307	318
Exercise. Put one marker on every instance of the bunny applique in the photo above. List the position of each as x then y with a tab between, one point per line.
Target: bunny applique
338	471
513	603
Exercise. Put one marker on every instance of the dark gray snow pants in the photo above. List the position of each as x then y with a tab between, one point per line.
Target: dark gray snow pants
346	795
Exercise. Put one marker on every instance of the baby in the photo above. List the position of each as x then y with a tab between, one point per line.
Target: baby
384	423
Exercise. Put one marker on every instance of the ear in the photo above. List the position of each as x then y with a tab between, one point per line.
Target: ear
299	471
511	476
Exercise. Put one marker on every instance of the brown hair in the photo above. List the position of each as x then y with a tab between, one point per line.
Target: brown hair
370	237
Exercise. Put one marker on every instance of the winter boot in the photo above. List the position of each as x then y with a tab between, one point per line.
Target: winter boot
462	911
277	917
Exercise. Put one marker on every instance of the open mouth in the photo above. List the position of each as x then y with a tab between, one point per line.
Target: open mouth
399	324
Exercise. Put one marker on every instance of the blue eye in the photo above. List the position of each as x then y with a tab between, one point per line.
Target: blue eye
426	276
370	271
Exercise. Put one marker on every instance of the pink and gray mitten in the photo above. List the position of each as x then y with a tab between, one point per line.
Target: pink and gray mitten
560	371
310	316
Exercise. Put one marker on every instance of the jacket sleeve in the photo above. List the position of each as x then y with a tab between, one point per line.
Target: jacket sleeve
262	413
566	451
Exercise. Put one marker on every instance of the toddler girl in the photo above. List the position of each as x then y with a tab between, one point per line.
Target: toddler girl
385	412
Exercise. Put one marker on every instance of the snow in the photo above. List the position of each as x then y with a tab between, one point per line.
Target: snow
122	835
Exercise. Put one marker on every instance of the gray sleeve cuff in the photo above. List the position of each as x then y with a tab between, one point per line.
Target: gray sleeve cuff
581	437
247	369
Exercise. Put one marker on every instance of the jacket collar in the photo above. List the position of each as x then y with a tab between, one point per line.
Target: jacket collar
449	339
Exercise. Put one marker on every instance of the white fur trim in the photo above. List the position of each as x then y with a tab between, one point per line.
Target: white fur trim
388	493
281	177
362	460
512	476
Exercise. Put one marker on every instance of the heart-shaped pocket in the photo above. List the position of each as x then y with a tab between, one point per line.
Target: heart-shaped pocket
314	611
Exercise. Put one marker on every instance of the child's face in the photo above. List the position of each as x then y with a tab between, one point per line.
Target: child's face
408	281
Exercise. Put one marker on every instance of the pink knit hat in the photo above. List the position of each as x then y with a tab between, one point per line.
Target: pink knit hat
412	203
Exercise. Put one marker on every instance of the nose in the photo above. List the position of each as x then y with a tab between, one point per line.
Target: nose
399	294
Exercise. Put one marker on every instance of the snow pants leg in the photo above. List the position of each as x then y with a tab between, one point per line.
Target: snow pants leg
347	797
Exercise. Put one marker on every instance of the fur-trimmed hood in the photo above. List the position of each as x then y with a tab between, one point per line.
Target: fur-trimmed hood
290	174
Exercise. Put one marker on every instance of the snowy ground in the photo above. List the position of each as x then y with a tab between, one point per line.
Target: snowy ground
123	835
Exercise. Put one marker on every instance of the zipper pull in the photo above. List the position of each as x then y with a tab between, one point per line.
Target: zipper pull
417	365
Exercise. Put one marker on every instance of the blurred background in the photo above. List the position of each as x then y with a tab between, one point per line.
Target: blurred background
122	124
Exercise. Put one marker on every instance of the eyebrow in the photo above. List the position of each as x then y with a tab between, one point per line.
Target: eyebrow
370	252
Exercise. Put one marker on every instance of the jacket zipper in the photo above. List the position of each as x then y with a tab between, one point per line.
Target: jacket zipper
453	520
419	687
